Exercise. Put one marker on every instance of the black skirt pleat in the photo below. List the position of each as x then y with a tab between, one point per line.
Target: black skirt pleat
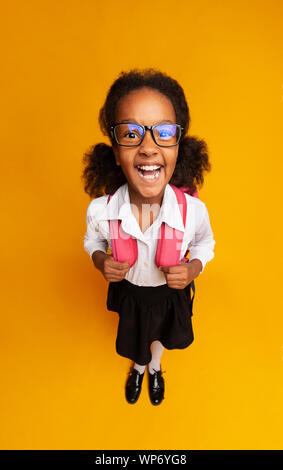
147	314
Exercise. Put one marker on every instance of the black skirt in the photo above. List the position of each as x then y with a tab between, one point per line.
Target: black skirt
147	314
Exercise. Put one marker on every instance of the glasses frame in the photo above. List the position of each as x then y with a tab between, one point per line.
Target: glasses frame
149	128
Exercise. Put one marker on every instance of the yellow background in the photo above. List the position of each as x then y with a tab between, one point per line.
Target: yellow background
62	382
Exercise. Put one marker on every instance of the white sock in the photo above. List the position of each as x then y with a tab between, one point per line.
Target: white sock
140	368
156	352
153	365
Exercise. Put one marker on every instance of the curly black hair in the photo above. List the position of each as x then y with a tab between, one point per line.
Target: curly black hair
101	174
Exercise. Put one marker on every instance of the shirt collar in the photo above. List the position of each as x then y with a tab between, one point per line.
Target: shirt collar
168	212
119	207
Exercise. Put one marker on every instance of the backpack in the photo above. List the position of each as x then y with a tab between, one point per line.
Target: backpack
124	246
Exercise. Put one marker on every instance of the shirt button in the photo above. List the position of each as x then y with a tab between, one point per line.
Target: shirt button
145	264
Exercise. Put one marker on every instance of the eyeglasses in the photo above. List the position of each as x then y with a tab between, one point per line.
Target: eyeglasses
132	135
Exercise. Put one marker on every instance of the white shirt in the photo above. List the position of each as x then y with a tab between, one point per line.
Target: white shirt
198	236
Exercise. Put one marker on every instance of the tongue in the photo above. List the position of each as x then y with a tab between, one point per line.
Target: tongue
149	172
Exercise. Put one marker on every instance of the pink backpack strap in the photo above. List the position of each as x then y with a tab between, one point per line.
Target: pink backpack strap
193	193
170	241
124	247
189	191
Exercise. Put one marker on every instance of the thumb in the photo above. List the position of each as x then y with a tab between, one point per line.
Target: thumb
163	268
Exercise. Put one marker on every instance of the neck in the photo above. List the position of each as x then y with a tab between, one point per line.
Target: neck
138	200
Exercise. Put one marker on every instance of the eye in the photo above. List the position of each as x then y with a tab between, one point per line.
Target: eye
165	131
132	134
131	131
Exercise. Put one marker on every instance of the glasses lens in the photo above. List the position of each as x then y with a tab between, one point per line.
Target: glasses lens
128	134
167	134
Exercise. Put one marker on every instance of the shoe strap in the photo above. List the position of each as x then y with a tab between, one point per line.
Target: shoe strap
162	371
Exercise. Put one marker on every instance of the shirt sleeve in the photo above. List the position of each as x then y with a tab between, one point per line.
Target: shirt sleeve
93	239
203	243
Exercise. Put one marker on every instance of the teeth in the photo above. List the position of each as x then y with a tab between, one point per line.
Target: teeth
150	177
149	168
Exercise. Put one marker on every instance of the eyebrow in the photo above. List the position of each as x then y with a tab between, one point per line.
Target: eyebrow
158	122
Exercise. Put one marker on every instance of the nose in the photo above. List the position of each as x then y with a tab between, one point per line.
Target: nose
148	146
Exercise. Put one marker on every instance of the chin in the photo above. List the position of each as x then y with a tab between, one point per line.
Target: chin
151	192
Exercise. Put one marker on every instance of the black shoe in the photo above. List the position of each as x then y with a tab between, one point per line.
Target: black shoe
156	386
133	385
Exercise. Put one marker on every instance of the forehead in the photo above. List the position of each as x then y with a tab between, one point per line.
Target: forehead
146	106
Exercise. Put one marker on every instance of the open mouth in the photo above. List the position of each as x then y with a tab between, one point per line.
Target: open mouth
149	173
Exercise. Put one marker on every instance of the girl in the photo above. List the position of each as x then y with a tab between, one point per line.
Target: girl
137	170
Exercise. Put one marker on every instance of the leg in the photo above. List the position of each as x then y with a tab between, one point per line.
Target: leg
156	380
156	351
140	368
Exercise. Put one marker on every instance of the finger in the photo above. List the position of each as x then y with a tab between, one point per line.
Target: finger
172	269
177	269
117	273
122	266
165	269
175	286
176	276
114	279
114	276
114	271
118	265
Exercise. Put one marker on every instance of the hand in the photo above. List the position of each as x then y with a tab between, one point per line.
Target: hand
112	270
178	277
